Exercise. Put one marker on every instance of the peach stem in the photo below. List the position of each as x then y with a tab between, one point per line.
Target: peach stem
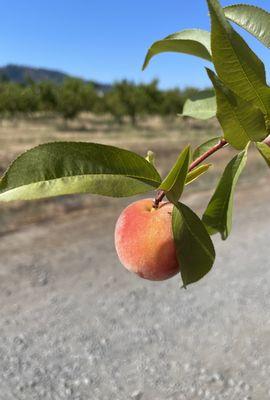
161	194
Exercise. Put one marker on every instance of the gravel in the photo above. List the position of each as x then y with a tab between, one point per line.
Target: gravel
76	326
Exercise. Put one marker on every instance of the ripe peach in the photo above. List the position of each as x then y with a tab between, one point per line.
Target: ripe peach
144	240
267	140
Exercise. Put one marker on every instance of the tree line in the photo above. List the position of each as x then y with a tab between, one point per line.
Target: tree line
125	99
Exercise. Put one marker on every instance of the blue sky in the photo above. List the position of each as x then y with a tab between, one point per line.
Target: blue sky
106	40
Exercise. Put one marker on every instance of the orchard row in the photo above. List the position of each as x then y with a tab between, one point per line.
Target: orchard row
123	99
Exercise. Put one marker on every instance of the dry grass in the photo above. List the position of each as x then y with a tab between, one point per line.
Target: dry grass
165	137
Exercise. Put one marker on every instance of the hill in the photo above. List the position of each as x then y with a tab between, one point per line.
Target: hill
22	74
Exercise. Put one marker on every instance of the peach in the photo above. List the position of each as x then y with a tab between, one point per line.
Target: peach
144	240
267	141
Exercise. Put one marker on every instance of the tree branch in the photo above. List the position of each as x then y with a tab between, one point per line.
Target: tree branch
161	194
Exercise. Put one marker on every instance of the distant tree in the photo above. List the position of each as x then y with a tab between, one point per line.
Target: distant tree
4	102
125	99
10	94
151	98
130	96
75	96
69	98
28	80
16	99
128	99
47	96
113	104
189	91
4	78
89	97
28	101
101	107
172	102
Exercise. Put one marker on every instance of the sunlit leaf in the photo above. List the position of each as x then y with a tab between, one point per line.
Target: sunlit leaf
174	183
62	168
240	120
203	148
194	247
203	105
264	149
253	19
236	64
195	42
196	173
218	215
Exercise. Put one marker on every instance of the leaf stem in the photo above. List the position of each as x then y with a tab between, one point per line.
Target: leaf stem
222	143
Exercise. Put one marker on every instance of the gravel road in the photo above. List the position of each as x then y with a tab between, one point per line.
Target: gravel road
76	326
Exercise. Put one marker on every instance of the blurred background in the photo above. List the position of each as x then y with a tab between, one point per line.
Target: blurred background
74	323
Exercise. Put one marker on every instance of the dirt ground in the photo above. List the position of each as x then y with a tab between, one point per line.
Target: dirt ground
75	325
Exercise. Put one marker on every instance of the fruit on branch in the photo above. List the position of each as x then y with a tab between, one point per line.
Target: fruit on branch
267	141
144	240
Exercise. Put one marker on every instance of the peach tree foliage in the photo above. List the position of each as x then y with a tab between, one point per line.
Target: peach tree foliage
241	101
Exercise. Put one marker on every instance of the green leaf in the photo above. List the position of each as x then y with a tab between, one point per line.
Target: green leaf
62	168
194	247
253	19
201	106
240	120
195	42
174	183
196	173
236	64
264	149
218	215
203	148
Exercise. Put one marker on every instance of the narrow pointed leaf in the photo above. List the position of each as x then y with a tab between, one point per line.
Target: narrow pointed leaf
253	19
174	183
203	148
195	42
264	149
196	173
194	247
236	64
240	120
218	215
62	168
201	106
